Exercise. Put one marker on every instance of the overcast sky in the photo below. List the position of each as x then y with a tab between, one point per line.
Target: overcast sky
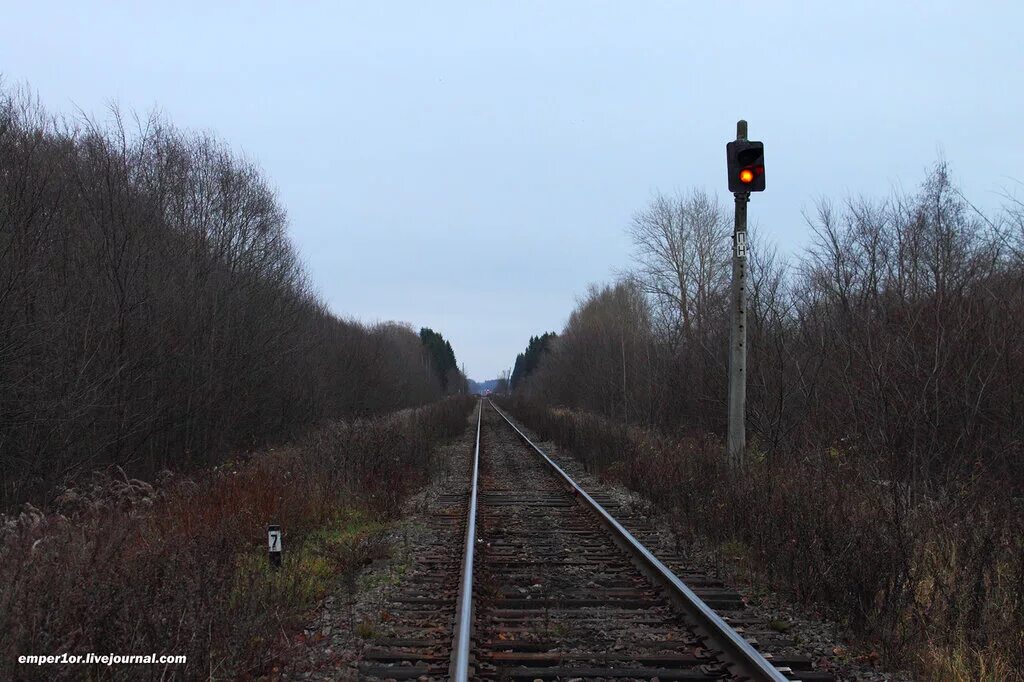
472	166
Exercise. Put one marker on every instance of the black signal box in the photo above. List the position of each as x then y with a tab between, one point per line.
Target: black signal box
746	165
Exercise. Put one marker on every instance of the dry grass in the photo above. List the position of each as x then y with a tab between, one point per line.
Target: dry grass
180	568
963	663
937	578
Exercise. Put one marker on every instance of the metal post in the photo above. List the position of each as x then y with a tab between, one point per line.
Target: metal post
737	437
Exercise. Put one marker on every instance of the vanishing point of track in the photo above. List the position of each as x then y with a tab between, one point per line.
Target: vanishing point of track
547	584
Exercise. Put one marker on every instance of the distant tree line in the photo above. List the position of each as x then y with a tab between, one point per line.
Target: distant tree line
895	337
528	360
153	312
441	358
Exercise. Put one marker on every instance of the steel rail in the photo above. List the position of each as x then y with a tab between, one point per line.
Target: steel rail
464	610
745	657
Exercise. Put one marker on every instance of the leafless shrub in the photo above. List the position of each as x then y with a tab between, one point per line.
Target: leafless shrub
186	573
884	406
915	575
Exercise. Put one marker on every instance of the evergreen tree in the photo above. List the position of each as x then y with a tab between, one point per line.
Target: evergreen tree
528	360
442	357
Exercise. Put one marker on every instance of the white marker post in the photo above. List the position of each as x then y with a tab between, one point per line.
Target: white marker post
274	545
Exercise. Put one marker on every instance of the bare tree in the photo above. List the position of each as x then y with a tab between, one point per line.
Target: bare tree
682	257
153	311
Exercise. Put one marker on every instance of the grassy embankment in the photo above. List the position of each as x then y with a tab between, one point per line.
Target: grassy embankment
180	567
934	581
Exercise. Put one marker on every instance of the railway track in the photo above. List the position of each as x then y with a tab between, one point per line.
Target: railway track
532	577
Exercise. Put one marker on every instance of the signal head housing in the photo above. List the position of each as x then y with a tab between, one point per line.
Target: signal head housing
745	160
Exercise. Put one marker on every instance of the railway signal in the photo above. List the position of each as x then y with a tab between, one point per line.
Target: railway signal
745	161
745	165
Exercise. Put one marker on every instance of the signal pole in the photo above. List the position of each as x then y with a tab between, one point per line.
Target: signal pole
737	440
746	173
